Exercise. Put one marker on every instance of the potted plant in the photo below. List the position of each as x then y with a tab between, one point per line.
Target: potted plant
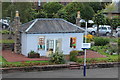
33	54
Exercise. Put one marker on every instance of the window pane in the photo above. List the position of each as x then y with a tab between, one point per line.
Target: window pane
41	43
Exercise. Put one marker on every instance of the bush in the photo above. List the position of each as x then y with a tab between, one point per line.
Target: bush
6	41
80	60
99	41
57	58
119	45
73	55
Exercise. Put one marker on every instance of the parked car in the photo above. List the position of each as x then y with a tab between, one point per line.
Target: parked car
103	30
118	34
117	29
5	24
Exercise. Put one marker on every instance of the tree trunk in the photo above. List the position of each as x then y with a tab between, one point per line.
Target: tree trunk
111	31
97	30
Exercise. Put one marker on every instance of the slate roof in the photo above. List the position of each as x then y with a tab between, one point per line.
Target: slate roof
48	25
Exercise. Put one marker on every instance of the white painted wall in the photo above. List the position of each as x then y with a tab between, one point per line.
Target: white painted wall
30	42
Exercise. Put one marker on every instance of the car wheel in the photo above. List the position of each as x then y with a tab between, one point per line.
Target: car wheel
93	33
107	34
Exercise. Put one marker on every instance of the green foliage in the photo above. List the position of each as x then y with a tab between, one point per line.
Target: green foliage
99	41
4	31
52	8
113	48
41	14
99	18
72	8
57	58
24	8
118	45
73	55
62	14
32	52
2	59
114	22
80	60
87	14
97	5
98	60
7	41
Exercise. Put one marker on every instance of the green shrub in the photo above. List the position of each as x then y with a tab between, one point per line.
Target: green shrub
119	45
5	32
57	58
99	41
32	52
73	55
80	60
7	41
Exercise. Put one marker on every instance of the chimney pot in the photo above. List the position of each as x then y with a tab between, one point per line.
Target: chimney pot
17	14
78	14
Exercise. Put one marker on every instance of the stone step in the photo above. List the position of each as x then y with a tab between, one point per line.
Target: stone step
74	65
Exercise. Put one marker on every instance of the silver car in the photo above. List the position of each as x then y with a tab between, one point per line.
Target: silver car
118	31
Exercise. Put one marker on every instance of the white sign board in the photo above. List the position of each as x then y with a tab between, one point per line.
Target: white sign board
86	45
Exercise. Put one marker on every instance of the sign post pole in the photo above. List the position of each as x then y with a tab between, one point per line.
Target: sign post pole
84	71
85	45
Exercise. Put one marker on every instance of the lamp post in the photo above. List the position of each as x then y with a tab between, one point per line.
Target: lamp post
89	21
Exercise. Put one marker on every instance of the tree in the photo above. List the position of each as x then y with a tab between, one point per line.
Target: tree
98	5
24	8
99	19
52	8
5	6
114	22
41	14
69	12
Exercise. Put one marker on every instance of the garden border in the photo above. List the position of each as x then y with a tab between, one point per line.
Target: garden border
60	66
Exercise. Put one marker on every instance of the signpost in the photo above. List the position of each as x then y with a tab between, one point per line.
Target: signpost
85	46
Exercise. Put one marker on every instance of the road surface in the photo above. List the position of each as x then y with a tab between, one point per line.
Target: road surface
66	73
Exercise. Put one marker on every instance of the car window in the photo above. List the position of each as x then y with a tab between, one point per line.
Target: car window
104	28
109	27
100	27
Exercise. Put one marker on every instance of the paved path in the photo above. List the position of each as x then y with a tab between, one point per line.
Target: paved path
91	73
13	57
93	54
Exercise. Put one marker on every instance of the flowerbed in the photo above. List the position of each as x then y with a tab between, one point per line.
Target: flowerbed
98	60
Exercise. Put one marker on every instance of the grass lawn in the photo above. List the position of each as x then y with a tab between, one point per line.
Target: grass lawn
21	64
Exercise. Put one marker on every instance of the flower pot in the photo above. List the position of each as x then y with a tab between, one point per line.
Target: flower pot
37	55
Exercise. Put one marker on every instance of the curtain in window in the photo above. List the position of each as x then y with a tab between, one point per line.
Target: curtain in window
73	42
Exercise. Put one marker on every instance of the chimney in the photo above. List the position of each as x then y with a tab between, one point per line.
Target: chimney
17	14
17	24
78	18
